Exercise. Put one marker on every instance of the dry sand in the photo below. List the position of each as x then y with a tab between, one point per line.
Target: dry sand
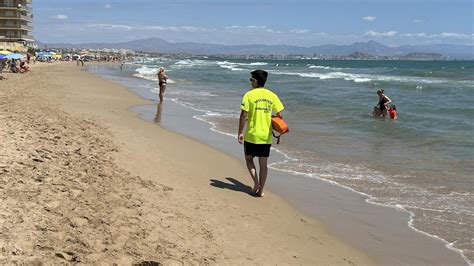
83	180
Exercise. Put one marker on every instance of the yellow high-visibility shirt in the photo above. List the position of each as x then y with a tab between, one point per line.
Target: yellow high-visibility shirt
260	103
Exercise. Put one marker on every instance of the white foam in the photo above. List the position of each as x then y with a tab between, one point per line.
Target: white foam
258	64
145	72
229	65
193	63
319	67
357	77
213	125
371	199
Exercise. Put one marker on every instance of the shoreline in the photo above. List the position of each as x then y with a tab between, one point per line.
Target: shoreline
434	241
181	217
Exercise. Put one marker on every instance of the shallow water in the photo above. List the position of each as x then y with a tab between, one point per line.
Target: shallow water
422	162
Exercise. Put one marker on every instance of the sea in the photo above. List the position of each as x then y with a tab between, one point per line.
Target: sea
421	163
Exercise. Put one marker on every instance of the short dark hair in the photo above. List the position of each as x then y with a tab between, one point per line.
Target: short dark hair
260	76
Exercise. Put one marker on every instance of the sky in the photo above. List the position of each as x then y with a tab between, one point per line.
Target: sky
232	22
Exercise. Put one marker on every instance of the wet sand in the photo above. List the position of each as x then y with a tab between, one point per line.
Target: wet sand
82	179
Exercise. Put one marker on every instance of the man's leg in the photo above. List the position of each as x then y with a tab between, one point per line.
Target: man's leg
252	171
262	161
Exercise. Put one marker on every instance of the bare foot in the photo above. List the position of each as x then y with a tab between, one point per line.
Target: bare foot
261	194
255	189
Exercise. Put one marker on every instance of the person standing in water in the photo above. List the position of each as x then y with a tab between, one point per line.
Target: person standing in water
162	79
258	105
383	103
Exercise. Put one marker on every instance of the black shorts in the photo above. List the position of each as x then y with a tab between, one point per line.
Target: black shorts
161	83
257	150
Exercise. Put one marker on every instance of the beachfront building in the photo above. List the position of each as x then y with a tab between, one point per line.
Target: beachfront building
16	19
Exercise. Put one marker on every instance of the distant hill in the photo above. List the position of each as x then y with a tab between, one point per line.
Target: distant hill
371	47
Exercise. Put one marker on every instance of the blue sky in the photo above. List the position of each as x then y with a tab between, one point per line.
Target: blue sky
296	22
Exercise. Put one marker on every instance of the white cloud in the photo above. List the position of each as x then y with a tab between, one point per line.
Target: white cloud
422	34
369	18
438	35
381	34
118	27
250	29
108	6
299	31
453	35
61	17
173	28
193	29
110	27
417	21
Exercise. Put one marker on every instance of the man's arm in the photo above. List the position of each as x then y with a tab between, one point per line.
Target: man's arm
242	121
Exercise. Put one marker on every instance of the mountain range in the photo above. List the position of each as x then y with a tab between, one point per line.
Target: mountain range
371	47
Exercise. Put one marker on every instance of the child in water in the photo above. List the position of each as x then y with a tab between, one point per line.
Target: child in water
392	111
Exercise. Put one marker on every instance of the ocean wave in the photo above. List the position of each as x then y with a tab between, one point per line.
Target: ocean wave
149	73
258	64
319	67
145	72
235	66
360	78
229	65
192	63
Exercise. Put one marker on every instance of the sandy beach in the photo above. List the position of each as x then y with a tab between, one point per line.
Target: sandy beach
83	179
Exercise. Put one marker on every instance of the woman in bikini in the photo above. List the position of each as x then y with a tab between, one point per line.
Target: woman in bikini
162	78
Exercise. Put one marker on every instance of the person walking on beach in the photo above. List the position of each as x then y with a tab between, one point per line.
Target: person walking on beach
162	79
258	105
382	105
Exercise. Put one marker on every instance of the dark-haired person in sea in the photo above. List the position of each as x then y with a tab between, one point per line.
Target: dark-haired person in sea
383	103
258	105
162	79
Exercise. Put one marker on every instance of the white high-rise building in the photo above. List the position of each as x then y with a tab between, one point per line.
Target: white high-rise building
16	19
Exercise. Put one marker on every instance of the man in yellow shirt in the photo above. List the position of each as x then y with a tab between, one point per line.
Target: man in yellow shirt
258	105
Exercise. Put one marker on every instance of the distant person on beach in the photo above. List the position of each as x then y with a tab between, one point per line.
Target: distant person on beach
383	103
258	105
24	67
162	79
121	66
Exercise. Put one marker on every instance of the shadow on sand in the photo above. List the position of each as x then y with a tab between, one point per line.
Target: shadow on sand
234	185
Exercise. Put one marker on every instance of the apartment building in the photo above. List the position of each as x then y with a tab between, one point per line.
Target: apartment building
16	19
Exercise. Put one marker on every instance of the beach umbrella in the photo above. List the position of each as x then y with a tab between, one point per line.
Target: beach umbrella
14	56
5	52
